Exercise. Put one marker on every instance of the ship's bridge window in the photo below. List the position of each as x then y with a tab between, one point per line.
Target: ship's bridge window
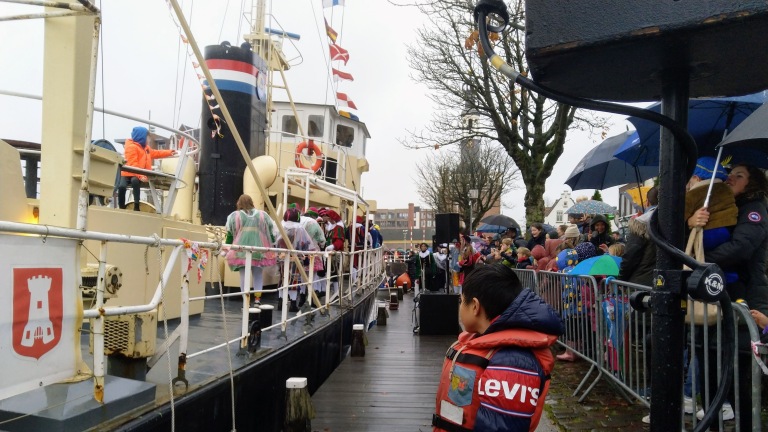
345	135
316	123
290	126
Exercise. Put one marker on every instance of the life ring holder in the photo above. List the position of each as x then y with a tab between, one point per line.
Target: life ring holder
312	149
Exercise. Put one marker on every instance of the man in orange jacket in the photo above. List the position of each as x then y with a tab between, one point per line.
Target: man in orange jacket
139	155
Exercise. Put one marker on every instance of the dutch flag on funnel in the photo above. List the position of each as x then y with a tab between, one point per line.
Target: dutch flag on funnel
331	3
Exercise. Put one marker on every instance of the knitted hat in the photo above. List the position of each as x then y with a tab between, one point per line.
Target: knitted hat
572	231
359	219
330	214
585	250
311	212
292	214
704	169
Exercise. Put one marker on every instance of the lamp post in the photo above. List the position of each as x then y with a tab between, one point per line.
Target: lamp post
405	240
473	193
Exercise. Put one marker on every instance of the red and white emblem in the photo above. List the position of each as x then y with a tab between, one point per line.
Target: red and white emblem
37	310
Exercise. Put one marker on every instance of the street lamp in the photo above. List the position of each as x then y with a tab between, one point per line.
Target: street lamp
473	193
405	240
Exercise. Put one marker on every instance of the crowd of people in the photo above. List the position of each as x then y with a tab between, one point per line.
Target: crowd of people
314	230
731	230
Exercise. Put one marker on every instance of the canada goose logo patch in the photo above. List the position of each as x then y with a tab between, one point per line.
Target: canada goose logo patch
754	217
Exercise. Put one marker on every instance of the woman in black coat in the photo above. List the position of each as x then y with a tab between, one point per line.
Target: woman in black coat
744	254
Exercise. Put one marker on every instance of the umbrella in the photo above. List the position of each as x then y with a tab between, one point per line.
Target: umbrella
501	220
637	196
591	207
485	228
748	143
606	265
599	169
708	119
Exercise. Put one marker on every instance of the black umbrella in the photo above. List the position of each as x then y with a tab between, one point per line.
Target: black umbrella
502	220
748	143
599	169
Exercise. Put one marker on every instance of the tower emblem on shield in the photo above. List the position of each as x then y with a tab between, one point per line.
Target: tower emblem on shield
37	310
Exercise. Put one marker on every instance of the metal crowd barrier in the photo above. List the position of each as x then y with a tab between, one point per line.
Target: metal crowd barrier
602	329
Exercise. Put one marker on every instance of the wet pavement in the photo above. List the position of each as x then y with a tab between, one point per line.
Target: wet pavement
602	410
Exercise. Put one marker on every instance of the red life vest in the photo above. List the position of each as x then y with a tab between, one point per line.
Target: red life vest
458	399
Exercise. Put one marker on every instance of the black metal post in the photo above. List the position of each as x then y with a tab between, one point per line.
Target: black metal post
668	332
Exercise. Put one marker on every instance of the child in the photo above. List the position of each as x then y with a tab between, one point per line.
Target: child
524	258
616	249
495	377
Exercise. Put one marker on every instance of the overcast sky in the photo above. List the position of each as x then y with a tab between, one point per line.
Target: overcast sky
142	71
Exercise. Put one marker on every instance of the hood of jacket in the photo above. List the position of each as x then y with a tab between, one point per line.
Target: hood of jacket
528	311
551	247
538	252
599	218
139	134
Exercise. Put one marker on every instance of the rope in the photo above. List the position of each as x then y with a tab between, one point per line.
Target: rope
165	331
226	335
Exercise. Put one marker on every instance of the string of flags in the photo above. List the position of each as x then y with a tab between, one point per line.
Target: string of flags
210	98
338	54
195	254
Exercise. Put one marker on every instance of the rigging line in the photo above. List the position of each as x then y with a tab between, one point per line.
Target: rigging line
101	57
184	71
176	86
240	20
223	20
329	78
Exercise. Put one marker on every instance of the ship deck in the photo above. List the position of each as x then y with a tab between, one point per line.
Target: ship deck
393	387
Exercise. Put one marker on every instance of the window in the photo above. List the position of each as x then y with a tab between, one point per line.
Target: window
345	135
316	125
559	216
289	125
565	204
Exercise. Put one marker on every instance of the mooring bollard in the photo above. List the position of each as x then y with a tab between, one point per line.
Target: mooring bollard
266	315
299	411
393	302
358	340
381	317
399	292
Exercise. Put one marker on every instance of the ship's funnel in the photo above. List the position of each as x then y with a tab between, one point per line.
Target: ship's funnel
240	76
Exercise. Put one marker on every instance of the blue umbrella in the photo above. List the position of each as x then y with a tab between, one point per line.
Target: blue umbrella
599	169
708	119
591	207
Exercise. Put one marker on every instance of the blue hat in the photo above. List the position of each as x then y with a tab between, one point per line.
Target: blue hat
704	169
139	134
585	250
567	258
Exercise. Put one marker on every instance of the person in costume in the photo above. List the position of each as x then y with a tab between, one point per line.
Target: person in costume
441	264
309	222
426	268
334	241
496	376
301	241
359	244
248	226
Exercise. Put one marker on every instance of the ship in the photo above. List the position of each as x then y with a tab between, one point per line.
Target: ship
131	320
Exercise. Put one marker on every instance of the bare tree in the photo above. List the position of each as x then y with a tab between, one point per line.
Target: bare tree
464	86
444	181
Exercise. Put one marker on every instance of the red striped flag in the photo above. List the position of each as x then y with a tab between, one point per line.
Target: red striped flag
339	75
344	100
339	53
332	35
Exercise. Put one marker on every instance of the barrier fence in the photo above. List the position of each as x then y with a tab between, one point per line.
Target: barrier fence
604	330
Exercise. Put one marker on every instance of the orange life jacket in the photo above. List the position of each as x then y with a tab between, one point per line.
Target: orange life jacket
465	383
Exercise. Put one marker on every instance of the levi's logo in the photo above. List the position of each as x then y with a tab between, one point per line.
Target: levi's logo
513	392
509	390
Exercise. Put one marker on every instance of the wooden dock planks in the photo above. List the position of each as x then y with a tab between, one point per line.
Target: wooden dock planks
392	388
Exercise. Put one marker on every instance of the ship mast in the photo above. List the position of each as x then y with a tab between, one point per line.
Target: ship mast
270	50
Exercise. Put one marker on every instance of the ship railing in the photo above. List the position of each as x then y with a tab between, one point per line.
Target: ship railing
287	158
188	256
602	328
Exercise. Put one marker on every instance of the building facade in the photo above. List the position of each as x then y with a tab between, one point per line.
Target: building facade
556	213
404	227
